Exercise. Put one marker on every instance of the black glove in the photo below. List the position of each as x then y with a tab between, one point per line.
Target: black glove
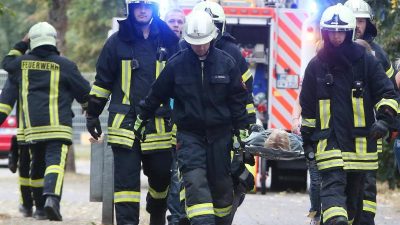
241	174
378	130
256	128
13	155
12	165
94	127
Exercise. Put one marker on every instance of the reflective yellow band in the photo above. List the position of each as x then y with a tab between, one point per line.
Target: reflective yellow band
14	52
308	122
60	177
390	71
379	145
369	206
160	125
6	109
126	80
24	181
388	102
53	97
222	212
361	144
329	154
200	209
358	112
158	137
321	146
173	134
48	136
330	164
99	92
246	76
250	108
126	196
120	136
156	145
182	195
37	183
352	156
158	195
24	93
41	129
117	121
159	67
360	165
351	221
324	112
334	212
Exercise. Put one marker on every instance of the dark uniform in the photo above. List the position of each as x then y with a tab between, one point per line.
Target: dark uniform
209	102
338	111
48	83
29	186
127	66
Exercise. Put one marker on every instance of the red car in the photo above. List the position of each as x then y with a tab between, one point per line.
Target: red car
7	130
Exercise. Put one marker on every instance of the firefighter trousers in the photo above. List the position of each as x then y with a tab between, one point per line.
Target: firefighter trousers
24	167
341	194
127	167
369	200
48	161
205	167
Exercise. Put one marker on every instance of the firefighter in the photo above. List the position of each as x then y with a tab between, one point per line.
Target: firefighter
129	63
30	188
342	86
175	19
41	76
209	107
367	31
243	179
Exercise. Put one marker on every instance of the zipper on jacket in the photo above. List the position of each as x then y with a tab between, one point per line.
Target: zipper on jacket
202	74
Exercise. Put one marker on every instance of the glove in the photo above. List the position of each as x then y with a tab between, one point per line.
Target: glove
12	164
241	174
378	130
256	128
94	127
13	155
138	128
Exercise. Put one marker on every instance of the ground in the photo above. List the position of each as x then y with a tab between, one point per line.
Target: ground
283	208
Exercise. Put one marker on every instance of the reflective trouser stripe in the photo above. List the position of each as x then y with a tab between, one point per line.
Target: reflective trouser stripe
369	206
250	108
37	183
379	145
158	195
58	169
6	109
99	92
182	195
334	212
126	196
24	181
222	212
200	209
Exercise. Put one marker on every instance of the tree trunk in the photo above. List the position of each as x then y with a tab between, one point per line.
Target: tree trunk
59	19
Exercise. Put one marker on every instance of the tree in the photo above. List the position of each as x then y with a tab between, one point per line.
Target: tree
59	19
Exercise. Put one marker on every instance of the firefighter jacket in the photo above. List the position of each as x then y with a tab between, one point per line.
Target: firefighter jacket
126	68
48	83
340	90
369	35
209	95
226	43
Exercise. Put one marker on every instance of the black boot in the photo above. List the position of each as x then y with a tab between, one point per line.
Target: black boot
25	211
157	218
339	220
40	214
52	208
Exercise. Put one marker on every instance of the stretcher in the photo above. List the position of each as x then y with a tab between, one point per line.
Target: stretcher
274	154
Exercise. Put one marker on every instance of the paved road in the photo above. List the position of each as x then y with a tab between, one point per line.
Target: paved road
271	209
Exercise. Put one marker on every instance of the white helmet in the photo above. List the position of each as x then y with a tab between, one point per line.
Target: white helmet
42	33
199	28
338	18
360	8
215	10
154	3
